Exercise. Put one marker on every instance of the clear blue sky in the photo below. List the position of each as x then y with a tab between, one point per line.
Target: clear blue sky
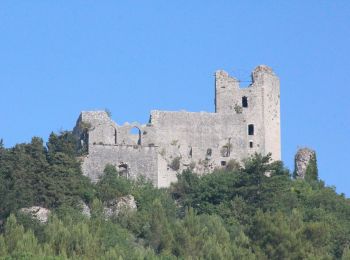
60	57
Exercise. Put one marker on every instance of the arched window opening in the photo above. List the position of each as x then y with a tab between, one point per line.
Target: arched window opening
251	129
244	101
135	132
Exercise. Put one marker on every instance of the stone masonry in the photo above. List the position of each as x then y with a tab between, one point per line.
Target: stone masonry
246	121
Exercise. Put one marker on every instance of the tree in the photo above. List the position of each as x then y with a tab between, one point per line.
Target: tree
346	253
311	172
111	185
159	236
253	211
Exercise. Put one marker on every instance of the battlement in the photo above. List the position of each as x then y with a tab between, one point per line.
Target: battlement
246	121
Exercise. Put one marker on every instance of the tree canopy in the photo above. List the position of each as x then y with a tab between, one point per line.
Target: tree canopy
251	211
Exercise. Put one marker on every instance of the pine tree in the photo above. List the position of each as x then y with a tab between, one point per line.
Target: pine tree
312	169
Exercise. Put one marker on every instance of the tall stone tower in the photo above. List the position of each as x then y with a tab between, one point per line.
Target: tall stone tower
260	105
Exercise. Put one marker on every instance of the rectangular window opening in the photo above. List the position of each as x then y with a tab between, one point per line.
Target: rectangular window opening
244	102
251	129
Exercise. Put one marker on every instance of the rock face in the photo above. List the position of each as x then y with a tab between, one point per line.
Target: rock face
38	213
118	205
85	210
302	160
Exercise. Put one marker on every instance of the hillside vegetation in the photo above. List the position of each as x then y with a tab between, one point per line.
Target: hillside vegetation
234	213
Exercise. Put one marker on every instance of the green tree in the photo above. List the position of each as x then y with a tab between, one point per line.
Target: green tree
346	253
311	172
111	185
3	249
160	235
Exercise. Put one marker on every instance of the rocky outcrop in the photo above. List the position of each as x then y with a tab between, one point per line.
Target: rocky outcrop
302	160
122	204
85	210
39	213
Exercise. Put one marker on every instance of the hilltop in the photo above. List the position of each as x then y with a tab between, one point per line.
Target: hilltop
256	210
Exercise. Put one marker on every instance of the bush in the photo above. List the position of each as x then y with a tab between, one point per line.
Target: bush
175	164
111	185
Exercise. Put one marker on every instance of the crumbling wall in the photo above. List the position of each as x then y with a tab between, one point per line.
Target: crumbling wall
98	127
200	138
132	161
261	107
145	135
166	175
246	121
270	85
225	92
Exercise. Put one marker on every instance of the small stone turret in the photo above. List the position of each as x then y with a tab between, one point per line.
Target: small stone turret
302	160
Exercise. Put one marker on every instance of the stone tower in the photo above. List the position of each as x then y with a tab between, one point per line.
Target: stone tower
246	121
260	105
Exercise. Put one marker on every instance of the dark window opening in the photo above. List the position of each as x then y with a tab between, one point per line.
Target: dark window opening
123	169
115	136
84	141
209	152
225	151
223	163
251	129
244	102
190	153
251	144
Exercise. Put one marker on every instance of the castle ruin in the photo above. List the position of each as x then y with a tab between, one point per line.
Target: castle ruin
246	121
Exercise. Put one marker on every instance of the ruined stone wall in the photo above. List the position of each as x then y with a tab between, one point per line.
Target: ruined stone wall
262	107
140	161
225	92
98	126
265	77
246	121
166	175
195	133
198	140
145	134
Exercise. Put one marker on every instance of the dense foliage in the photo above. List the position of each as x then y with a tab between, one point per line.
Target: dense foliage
253	211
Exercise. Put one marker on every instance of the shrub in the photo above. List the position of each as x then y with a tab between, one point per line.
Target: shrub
175	164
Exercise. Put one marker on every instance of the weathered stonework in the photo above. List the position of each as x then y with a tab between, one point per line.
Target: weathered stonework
302	160
246	120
